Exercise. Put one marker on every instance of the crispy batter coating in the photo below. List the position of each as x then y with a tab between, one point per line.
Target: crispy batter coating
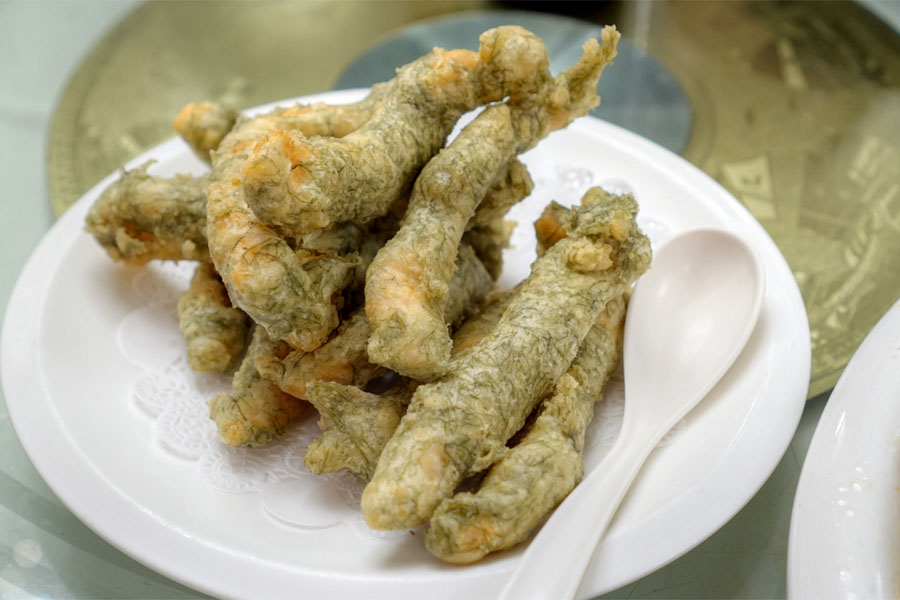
141	217
416	345
469	287
572	93
406	285
489	241
512	185
294	295
330	120
341	359
459	425
297	183
256	411
419	259
538	472
203	125
214	331
357	424
344	359
481	324
553	225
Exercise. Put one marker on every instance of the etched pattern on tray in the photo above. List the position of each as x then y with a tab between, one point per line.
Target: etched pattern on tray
170	393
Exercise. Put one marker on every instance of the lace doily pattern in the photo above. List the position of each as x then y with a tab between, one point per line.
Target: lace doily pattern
175	397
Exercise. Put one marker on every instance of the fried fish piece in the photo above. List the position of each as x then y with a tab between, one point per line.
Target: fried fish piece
553	225
469	287
406	285
214	331
296	183
357	424
538	472
459	425
511	186
344	359
256	411
203	125
341	359
415	345
481	324
489	241
419	259
141	217
293	295
487	231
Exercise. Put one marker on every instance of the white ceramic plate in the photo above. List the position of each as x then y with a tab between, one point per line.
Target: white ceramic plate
845	526
67	385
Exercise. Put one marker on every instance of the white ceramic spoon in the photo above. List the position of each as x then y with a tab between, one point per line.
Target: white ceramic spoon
688	319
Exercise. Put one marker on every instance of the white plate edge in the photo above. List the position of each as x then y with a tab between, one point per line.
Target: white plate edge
802	581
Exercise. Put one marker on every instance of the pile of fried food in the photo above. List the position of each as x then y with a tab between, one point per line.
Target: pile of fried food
352	241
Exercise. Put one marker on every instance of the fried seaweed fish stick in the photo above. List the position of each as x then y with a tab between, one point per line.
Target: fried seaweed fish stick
357	424
141	217
512	185
297	183
203	125
538	472
256	411
408	333
489	241
214	331
343	358
291	296
459	425
407	283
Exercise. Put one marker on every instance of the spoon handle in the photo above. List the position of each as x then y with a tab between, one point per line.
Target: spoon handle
556	559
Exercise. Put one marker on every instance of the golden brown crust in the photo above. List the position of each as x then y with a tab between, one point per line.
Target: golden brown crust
203	125
256	411
295	297
357	424
296	216
142	217
542	468
512	185
406	284
214	331
459	425
552	226
358	177
344	358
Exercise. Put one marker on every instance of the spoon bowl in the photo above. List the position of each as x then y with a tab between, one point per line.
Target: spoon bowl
688	319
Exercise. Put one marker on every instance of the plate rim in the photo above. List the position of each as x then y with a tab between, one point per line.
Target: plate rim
178	561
